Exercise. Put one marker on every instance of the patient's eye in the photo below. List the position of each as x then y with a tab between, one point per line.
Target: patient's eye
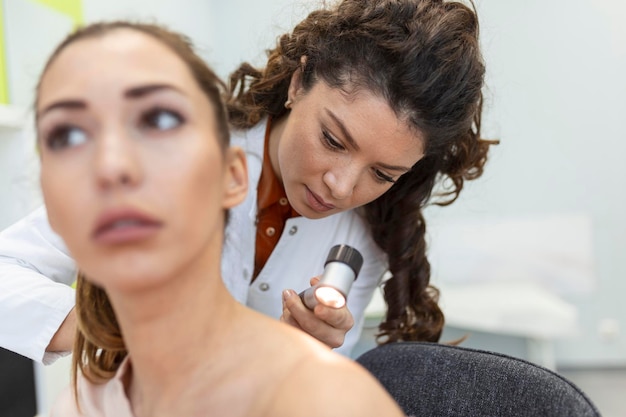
65	136
161	119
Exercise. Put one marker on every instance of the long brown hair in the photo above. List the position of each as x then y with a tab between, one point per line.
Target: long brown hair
99	347
423	57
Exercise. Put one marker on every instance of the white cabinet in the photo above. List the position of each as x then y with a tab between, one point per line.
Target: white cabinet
11	118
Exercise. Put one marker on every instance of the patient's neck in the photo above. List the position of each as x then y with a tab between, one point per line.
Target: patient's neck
174	331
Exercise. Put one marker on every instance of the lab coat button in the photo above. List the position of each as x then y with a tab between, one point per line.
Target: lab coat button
264	286
270	231
293	230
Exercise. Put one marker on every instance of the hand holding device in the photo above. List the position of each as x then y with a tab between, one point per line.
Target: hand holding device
340	271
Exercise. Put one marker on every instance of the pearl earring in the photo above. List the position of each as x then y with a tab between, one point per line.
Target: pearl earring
288	104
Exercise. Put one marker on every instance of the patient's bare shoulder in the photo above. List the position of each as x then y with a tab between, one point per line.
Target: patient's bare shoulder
328	384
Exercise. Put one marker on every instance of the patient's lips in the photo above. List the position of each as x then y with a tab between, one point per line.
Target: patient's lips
122	226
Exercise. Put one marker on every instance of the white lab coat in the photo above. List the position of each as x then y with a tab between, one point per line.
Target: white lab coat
36	268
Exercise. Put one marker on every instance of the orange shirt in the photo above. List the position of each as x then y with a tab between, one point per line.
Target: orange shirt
273	210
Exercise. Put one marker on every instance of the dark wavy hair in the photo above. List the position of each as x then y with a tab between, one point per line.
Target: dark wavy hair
99	347
423	57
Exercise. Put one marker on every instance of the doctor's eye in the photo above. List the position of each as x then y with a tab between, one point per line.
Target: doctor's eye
65	136
161	119
383	178
330	142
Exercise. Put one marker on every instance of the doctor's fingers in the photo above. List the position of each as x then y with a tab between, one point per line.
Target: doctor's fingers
294	310
339	318
287	317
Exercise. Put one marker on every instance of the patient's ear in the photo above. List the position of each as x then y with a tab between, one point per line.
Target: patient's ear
236	177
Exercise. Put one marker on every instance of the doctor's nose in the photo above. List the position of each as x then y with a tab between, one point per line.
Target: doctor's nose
116	163
341	183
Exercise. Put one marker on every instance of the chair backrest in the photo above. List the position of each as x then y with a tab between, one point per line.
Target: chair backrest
431	379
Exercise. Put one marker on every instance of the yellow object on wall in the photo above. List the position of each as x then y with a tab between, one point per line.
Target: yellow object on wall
71	8
4	89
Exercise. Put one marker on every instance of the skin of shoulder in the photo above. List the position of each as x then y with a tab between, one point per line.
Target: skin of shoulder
327	384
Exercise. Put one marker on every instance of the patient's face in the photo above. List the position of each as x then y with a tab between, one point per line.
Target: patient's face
131	170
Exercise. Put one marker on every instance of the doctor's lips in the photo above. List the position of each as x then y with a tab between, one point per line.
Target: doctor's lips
316	202
124	226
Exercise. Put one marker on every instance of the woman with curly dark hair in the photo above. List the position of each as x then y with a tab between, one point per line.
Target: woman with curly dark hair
361	113
391	90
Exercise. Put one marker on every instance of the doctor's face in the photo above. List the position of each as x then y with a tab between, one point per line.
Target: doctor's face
133	175
337	150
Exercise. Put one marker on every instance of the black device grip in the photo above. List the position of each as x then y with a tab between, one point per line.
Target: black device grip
347	255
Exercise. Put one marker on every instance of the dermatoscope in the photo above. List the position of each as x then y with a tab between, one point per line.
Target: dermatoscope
341	269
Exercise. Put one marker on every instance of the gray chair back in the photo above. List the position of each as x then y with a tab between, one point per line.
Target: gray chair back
431	379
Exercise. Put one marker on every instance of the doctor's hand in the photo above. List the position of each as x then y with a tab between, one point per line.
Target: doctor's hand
327	324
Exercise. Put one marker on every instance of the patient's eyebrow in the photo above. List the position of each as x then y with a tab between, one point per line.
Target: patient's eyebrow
70	104
132	93
144	90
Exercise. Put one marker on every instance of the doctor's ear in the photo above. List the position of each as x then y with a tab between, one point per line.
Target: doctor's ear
295	85
236	177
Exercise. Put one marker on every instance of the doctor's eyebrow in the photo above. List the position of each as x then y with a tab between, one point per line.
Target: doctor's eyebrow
353	143
343	129
394	167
